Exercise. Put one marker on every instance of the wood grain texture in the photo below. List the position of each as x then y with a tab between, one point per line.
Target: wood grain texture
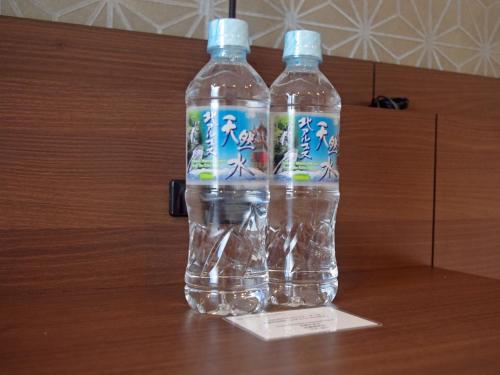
385	215
92	121
467	196
440	92
92	130
98	258
386	167
427	327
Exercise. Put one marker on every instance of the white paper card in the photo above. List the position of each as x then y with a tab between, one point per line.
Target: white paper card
291	323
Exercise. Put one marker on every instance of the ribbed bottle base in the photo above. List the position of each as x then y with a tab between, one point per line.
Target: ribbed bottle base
218	302
295	295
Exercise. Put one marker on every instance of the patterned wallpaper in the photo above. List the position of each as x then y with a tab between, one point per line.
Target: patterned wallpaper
454	35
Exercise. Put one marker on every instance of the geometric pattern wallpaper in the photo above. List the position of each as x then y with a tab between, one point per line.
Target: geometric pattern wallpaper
454	35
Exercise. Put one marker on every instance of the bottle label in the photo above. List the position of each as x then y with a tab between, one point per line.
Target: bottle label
226	144
305	148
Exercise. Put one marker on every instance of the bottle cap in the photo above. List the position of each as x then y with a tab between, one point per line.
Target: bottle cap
223	32
302	43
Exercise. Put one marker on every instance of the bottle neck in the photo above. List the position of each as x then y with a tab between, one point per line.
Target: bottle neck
308	63
229	54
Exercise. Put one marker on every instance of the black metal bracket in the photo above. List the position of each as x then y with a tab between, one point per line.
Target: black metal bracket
177	201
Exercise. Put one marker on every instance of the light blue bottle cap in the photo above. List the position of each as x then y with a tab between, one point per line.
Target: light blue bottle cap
223	32
302	43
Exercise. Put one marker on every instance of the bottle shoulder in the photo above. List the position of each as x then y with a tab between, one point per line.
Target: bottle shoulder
303	83
308	90
228	80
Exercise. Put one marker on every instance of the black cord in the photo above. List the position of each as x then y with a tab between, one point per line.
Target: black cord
392	103
232	8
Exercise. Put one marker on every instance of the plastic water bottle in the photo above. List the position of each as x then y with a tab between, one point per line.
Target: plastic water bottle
305	113
227	192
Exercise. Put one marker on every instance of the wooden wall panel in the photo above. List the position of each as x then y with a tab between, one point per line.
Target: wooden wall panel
100	258
385	216
386	166
440	92
74	98
468	196
92	130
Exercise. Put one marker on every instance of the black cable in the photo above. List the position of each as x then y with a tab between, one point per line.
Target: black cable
232	8
392	103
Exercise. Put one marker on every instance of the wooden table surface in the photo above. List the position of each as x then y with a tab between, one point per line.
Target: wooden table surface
434	321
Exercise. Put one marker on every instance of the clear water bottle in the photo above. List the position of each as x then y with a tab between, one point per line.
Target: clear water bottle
227	191
305	113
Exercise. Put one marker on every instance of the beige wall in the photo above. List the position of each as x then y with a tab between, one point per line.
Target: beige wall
455	35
